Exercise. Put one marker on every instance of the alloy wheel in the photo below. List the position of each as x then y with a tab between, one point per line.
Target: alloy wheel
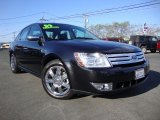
13	63
56	81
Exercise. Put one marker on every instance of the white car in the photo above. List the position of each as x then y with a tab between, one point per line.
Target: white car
5	45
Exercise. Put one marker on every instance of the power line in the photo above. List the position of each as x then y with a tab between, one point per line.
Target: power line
56	18
16	22
41	19
126	6
9	33
88	13
111	10
22	16
6	34
99	12
123	8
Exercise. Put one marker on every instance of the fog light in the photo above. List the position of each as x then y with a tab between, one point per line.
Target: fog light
103	86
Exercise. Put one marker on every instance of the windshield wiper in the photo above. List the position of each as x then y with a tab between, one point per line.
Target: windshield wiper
86	38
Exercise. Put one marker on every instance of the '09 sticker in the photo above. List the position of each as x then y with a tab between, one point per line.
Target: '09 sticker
49	26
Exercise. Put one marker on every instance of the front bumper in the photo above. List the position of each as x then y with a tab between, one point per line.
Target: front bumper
120	77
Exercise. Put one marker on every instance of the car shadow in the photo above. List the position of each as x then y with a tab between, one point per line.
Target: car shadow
151	82
77	96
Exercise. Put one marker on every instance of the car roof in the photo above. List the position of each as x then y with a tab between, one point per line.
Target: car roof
51	23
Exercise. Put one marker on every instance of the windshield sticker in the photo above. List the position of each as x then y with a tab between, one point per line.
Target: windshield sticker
49	26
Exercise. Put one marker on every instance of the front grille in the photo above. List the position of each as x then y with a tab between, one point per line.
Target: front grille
126	59
125	84
130	65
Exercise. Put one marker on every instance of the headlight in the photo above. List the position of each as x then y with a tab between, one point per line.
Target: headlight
92	60
144	56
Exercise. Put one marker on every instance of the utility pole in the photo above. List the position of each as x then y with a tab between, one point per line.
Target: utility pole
85	20
43	19
145	29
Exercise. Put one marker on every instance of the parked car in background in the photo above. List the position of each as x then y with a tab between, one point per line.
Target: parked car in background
114	39
69	59
145	42
5	45
158	46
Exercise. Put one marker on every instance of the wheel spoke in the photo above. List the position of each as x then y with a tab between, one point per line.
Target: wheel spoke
66	85
60	90
49	81
53	88
51	73
58	71
64	76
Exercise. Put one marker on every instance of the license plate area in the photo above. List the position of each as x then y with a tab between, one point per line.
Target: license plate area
139	74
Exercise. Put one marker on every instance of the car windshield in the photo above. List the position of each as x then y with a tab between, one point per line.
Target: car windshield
66	32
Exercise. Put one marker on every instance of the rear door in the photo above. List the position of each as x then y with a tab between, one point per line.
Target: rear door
142	41
152	43
20	48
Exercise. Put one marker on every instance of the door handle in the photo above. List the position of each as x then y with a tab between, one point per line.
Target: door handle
42	51
25	48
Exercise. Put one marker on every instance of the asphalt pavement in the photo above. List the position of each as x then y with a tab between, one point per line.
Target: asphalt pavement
22	98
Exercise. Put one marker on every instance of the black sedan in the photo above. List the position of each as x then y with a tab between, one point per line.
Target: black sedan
69	59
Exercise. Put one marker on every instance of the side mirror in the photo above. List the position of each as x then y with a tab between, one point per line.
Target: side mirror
33	38
39	39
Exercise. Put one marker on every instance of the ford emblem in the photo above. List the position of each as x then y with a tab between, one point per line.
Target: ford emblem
134	57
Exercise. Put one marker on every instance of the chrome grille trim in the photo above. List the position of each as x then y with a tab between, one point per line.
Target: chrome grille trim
126	58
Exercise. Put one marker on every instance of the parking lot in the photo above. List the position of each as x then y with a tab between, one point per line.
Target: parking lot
22	98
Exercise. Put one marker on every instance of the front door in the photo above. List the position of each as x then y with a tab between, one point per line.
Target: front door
34	51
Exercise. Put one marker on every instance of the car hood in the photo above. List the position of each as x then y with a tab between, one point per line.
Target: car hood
105	46
99	46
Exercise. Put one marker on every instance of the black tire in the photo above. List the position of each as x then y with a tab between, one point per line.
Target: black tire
13	64
144	49
153	51
52	87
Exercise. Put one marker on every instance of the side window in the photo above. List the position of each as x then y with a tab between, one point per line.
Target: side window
50	34
64	34
58	35
24	34
35	31
142	38
154	39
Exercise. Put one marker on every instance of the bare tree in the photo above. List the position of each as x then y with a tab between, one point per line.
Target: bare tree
113	30
124	30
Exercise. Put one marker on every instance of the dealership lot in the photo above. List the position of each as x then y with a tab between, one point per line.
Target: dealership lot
23	98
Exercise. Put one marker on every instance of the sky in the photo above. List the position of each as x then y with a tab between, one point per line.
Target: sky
50	9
